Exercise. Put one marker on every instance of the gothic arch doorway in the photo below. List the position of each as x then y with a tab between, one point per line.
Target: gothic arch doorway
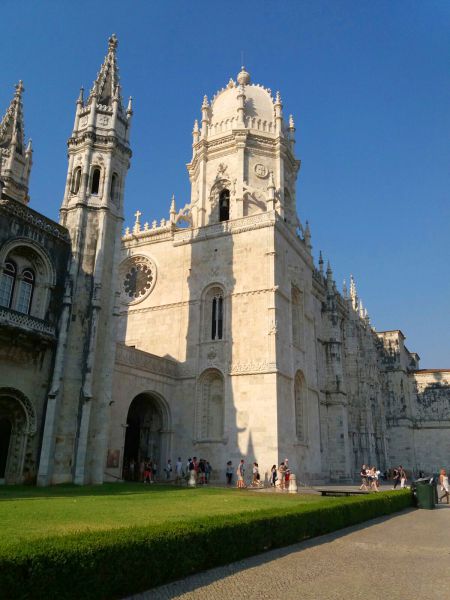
17	425
5	439
146	436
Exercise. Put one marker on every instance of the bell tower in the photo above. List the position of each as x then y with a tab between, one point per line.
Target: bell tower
15	158
92	210
243	160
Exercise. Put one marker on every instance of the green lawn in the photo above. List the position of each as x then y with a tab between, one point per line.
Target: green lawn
28	513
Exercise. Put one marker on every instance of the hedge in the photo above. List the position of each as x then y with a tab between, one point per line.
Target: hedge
119	562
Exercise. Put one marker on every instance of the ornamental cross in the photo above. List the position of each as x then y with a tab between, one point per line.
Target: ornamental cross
137	214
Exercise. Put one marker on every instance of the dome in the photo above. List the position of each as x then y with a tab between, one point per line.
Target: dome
259	108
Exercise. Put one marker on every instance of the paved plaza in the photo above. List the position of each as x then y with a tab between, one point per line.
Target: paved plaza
403	556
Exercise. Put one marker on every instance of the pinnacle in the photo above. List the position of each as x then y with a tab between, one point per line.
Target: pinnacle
12	125
107	85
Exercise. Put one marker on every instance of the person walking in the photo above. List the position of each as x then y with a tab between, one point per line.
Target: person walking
178	470
229	473
443	480
240	474
282	475
273	475
396	477
403	477
363	475
168	469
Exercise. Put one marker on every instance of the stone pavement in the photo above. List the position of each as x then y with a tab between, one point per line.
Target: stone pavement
405	556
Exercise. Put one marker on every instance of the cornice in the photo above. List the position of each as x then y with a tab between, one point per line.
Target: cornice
35	219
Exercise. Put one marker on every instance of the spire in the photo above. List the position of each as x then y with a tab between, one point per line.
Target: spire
353	293
320	262
344	289
308	236
11	127
173	210
278	106
195	132
16	159
107	82
130	107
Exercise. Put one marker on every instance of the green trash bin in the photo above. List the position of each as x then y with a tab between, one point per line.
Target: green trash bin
425	493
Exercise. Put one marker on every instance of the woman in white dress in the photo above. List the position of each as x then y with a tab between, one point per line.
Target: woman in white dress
443	480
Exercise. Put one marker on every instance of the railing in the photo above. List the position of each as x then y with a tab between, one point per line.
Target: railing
26	322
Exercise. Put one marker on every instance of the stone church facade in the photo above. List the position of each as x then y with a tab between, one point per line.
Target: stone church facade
212	333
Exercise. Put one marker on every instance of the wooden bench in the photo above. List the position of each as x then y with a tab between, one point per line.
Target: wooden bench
342	492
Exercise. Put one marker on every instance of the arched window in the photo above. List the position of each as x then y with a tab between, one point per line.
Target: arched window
297	317
217	316
224	205
113	189
300	403
95	186
7	280
210	407
25	291
76	179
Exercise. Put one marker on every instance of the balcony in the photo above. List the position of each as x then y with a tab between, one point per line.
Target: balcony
26	323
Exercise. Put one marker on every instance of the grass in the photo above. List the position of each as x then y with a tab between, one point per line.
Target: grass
28	514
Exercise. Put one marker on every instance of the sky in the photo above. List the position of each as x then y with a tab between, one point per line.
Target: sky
367	83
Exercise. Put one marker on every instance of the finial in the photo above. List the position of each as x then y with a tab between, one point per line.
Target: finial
137	223
320	262
278	99
130	106
113	42
308	236
205	101
81	96
172	205
243	77
352	287
329	271
291	122
29	148
19	88
344	289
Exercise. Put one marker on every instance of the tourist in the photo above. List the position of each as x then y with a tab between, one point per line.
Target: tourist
229	473
208	471
370	477
178	470
363	475
240	474
168	469
282	475
396	477
255	474
377	478
141	470
154	470
403	478
147	471
202	471
443	480
273	475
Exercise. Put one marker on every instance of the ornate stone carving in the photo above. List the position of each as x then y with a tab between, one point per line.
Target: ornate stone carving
138	278
261	171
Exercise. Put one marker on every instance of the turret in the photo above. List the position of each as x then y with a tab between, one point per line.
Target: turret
16	160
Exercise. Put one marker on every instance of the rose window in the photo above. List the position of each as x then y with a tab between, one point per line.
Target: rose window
138	276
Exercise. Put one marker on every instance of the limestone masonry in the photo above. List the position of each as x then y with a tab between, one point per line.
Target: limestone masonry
212	333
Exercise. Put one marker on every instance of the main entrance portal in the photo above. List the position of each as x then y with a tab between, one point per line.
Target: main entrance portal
143	438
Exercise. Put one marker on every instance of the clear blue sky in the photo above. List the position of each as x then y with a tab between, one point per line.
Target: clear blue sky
367	82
